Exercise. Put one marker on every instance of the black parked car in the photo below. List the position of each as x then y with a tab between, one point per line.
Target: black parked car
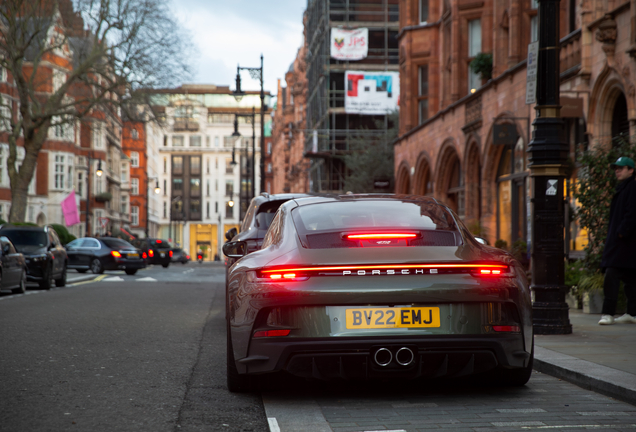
180	255
45	256
104	253
12	267
159	251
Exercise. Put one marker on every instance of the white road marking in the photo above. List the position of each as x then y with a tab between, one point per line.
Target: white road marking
113	279
146	279
273	424
294	415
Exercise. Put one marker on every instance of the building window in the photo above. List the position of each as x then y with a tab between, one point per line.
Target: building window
3	74
229	210
177	164
422	92
269	167
165	140
229	188
195	141
80	183
207	187
134	215
177	141
195	165
229	168
165	187
134	186
423	11
269	148
5	114
177	185
216	207
216	141
207	165
134	134
195	187
60	169
207	141
195	206
62	128
165	209
474	48
124	204
98	135
216	185
134	159
165	165
207	210
216	163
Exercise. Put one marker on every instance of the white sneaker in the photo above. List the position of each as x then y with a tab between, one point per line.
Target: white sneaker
626	319
606	320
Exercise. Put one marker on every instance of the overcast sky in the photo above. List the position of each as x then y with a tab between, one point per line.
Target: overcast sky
231	32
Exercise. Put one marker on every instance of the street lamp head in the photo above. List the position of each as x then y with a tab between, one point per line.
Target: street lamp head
238	93
230	203
236	133
99	171
157	188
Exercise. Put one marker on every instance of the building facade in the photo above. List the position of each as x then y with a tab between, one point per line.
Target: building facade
204	169
464	136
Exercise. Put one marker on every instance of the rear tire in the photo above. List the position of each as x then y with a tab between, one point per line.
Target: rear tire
22	288
237	383
96	266
131	272
165	265
61	282
515	377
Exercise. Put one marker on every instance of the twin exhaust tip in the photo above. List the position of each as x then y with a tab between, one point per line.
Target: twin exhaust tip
403	356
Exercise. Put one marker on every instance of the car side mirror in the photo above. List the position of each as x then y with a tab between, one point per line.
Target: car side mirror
237	249
229	235
481	240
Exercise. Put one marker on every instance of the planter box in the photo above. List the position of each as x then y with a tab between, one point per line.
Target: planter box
592	302
573	301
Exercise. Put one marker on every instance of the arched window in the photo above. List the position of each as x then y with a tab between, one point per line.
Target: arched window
620	122
512	193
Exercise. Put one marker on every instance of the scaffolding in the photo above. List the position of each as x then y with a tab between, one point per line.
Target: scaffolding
331	129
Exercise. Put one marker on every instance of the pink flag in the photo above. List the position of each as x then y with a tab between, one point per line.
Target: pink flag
69	208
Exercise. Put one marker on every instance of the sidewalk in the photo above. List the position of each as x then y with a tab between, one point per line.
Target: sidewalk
599	358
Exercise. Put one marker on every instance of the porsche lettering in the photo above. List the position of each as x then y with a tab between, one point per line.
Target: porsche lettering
384	272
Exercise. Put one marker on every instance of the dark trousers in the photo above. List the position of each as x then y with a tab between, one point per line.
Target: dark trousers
611	286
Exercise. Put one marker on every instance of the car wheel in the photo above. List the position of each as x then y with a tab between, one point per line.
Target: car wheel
22	288
131	272
47	282
515	377
165	265
96	266
62	280
237	383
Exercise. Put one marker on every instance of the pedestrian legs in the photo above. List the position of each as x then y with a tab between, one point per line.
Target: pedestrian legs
611	285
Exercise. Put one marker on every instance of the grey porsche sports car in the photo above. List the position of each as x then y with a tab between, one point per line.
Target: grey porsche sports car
375	286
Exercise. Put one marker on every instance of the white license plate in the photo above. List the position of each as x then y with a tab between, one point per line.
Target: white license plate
163	255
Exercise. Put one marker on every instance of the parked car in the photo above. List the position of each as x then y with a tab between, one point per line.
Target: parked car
43	252
180	255
257	220
381	287
13	273
104	253
158	251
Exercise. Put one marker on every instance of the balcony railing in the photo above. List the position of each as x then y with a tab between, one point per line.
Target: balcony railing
570	56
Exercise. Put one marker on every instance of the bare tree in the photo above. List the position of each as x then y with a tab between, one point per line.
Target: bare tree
69	60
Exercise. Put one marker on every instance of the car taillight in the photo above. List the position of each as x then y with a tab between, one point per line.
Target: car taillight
115	254
380	236
170	253
271	333
188	256
151	253
143	255
506	328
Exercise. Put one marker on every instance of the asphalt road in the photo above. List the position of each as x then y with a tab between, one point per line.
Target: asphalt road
147	353
123	354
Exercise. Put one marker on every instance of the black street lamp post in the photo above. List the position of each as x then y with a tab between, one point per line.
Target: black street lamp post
255	73
251	172
99	173
548	154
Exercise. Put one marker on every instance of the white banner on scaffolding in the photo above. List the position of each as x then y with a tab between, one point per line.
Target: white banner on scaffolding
349	44
371	92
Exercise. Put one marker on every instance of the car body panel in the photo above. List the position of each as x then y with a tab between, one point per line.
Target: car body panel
83	251
386	279
12	264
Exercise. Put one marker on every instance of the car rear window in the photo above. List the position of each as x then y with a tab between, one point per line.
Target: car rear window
26	237
332	224
117	244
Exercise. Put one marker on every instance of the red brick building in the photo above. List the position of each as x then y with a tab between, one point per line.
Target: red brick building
448	115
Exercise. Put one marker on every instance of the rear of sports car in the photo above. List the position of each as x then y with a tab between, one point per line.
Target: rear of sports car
364	289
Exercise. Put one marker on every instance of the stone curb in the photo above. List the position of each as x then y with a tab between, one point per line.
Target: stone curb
590	376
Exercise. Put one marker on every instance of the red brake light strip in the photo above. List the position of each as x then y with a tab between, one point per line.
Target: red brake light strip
377	236
493	268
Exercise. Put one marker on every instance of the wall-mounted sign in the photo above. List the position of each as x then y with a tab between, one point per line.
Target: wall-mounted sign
349	44
504	134
371	92
532	66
